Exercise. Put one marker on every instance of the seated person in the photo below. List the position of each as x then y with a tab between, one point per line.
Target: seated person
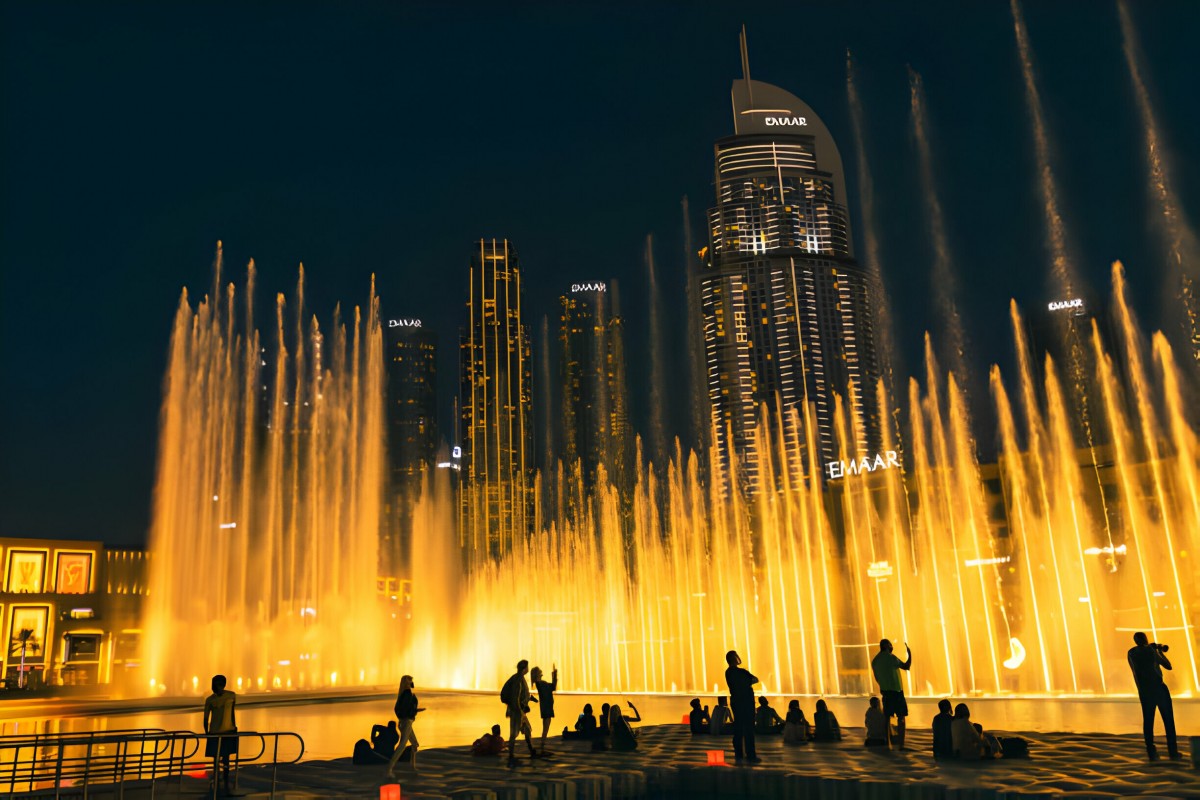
876	724
623	737
796	729
698	718
721	722
766	720
385	738
825	724
490	744
943	743
585	726
600	740
969	741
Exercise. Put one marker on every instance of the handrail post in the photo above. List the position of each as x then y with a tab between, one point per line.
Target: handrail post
58	764
274	765
87	766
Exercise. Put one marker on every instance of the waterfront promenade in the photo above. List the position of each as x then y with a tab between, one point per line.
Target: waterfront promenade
670	763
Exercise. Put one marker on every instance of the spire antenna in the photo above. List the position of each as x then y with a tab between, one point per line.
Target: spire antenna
746	64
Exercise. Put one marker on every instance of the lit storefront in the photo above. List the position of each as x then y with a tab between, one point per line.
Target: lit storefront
69	612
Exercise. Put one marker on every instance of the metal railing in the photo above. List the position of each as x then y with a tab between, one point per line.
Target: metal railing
47	763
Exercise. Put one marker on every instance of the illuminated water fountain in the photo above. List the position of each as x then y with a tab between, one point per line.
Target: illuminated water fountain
1023	589
267	503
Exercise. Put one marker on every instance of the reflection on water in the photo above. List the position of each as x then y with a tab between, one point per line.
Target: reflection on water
330	728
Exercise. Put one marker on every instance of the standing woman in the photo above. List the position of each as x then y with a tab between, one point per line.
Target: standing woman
406	713
545	698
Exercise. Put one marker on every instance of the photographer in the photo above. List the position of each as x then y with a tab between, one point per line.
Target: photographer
1146	660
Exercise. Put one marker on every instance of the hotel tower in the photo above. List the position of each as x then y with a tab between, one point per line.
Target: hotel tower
787	311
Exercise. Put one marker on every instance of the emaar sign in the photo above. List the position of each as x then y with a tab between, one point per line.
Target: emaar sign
404	323
588	287
784	121
885	460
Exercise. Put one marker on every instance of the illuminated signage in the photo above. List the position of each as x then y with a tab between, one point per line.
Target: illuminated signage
589	287
986	562
773	121
840	469
879	569
456	452
404	323
1064	305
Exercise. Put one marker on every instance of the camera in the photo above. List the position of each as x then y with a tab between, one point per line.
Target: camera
1162	648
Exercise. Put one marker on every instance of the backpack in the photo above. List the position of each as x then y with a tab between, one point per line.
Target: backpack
506	692
1014	747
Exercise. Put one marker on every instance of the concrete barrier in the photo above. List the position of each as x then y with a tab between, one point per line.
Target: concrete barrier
469	793
592	787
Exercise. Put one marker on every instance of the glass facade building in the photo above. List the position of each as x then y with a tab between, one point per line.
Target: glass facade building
787	312
411	365
595	415
496	399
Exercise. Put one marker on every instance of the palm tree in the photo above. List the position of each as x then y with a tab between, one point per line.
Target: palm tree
28	641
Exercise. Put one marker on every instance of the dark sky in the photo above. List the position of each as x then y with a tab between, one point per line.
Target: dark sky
383	138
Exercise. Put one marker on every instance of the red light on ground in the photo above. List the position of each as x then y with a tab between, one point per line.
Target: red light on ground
716	758
389	791
687	720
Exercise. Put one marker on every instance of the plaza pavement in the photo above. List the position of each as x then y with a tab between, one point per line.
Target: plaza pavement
670	763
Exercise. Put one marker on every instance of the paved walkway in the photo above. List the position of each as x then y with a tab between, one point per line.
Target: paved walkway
670	763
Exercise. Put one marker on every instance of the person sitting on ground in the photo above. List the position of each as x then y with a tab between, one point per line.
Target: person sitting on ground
825	724
943	741
623	737
600	739
698	718
384	739
876	724
970	743
490	744
796	729
721	721
585	726
766	719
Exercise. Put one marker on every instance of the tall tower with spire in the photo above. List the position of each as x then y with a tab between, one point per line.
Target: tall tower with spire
788	324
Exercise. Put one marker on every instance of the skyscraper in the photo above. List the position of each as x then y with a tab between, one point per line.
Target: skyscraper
595	417
496	401
411	365
787	311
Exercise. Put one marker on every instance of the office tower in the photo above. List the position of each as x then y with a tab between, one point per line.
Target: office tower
496	403
411	365
595	421
787	311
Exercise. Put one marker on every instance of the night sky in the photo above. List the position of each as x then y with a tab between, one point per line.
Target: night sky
384	138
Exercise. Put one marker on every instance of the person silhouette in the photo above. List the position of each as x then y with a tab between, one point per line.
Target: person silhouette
1147	660
516	697
545	698
698	718
406	712
741	698
220	717
887	665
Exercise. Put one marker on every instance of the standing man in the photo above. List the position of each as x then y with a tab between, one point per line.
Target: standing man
1147	659
515	696
741	697
887	665
219	718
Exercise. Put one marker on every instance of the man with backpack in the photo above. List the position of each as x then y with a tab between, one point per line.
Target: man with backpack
515	696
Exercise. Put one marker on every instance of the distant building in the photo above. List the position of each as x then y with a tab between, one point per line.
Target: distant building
595	414
411	364
788	313
1059	331
73	609
496	399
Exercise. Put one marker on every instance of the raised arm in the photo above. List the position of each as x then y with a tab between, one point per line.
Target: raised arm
1162	658
907	664
636	716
